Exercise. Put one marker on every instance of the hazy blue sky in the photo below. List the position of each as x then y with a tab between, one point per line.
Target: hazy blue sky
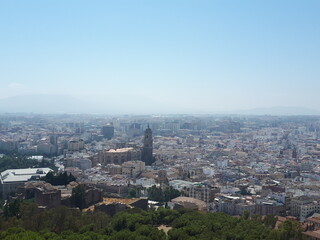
186	55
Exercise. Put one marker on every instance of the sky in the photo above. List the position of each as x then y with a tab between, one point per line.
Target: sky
170	56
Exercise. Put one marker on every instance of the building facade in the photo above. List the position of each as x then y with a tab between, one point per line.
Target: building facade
76	145
133	168
11	179
118	156
108	131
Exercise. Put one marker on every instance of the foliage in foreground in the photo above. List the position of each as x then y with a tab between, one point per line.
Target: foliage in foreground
160	195
58	179
134	224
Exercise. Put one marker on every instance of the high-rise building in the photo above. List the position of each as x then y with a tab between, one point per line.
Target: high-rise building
48	146
134	130
294	153
54	140
147	150
108	131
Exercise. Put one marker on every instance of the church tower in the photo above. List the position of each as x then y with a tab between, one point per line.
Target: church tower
147	150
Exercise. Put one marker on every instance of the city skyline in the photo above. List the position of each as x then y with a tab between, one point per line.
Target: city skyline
160	57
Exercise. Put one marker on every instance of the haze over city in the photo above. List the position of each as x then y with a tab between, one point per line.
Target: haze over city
142	57
159	120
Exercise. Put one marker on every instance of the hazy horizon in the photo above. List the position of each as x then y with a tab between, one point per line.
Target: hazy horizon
63	104
160	56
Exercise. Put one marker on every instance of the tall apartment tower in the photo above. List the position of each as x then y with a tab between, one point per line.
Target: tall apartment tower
54	144
146	153
108	131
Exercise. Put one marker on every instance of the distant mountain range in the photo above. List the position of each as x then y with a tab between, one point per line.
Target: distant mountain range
116	105
43	104
279	111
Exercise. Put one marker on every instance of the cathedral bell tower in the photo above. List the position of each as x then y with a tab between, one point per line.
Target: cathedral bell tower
147	150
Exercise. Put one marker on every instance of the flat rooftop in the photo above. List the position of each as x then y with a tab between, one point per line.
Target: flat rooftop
106	201
120	150
22	175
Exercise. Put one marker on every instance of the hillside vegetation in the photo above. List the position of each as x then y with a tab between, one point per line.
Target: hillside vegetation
24	221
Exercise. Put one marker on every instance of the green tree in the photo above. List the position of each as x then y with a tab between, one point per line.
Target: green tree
290	230
78	196
12	209
59	179
132	193
157	194
72	224
270	221
170	193
21	234
246	215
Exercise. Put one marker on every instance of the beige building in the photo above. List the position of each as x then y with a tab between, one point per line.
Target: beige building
118	156
8	145
76	145
201	192
188	202
195	190
303	207
309	209
82	163
242	207
114	169
133	168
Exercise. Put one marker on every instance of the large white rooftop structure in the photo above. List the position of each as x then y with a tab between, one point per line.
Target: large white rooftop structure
11	179
22	175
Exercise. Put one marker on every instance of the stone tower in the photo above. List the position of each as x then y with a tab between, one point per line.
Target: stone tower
147	150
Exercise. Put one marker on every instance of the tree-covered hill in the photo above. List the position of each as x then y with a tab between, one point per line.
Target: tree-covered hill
28	222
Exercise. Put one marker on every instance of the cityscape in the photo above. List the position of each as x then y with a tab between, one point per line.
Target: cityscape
255	165
159	120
